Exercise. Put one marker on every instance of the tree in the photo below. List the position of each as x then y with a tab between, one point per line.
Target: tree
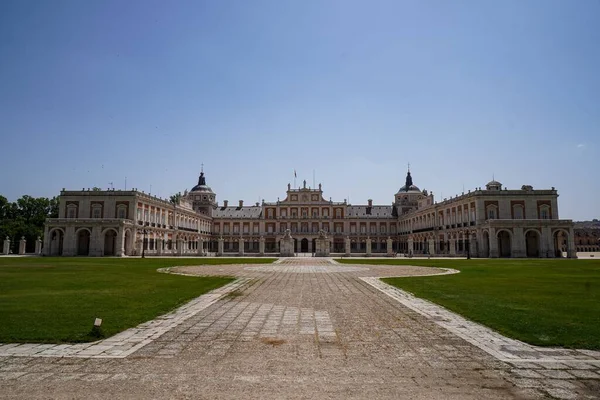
25	218
176	198
53	207
96	189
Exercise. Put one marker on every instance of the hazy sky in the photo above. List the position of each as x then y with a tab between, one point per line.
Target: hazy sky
92	92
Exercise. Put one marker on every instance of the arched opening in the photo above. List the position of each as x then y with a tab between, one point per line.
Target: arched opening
296	245
504	245
304	245
110	242
83	242
532	243
314	245
56	242
561	243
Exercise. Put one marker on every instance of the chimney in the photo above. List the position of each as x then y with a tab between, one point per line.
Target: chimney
225	203
370	202
241	203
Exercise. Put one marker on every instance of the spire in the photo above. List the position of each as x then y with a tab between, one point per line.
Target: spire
409	181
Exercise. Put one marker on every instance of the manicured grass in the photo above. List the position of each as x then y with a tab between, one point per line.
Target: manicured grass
542	302
55	300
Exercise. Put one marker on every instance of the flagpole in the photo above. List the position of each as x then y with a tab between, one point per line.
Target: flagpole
294	179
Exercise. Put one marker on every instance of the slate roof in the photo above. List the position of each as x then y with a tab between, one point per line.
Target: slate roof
238	212
370	212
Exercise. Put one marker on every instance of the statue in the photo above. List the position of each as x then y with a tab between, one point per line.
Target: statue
287	245
322	245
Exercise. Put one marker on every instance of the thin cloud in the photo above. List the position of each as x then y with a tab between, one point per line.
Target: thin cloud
580	145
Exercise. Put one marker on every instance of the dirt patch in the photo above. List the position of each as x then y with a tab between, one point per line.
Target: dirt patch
273	341
234	294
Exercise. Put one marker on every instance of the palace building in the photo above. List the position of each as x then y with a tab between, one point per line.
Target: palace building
490	222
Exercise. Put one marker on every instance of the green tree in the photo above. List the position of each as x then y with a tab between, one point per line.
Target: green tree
175	198
25	218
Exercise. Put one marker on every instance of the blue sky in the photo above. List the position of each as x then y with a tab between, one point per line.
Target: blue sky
92	92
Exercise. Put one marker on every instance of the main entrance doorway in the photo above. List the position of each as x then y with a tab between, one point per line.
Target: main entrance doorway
304	246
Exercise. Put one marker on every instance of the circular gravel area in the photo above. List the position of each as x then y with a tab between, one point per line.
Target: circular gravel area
305	269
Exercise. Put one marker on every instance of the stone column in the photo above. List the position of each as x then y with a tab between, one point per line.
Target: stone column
200	247
22	244
473	246
180	246
6	247
46	247
96	242
432	246
70	242
493	244
571	250
261	246
139	245
120	250
158	243
410	249
546	243
241	246
390	247
369	244
348	246
519	248
38	246
221	246
452	246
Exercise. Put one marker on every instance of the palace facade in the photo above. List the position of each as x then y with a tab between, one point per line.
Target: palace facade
490	222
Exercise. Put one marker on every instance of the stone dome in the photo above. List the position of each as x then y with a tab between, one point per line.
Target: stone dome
493	185
201	186
411	188
408	186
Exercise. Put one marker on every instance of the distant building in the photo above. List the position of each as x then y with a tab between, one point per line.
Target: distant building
491	222
587	236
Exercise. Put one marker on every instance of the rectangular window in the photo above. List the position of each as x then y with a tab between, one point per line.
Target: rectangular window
518	211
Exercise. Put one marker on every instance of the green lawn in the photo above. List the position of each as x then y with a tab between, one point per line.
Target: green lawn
55	300
542	302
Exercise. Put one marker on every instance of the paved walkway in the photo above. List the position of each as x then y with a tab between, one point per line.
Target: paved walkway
301	328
